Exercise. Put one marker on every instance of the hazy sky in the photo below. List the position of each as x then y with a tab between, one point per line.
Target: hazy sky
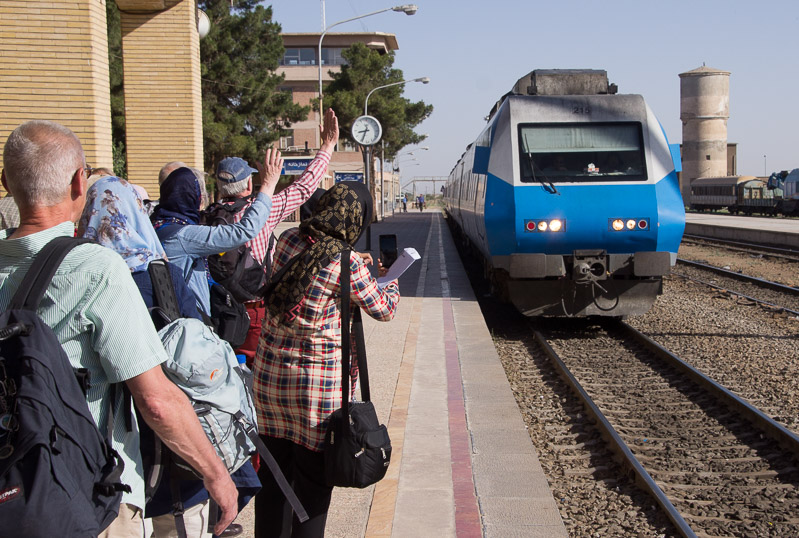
474	52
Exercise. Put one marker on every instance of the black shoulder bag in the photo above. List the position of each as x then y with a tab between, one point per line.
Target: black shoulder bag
357	447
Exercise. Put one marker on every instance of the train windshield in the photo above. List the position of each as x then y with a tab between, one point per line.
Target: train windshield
581	152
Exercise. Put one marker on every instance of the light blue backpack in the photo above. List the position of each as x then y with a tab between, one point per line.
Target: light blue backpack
205	368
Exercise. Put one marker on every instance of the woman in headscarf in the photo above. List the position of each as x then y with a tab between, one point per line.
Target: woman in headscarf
116	217
298	362
188	243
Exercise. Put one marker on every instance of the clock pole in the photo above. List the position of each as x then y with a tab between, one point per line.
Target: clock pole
367	174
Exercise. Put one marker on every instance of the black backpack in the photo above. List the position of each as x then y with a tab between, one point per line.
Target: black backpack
59	475
236	270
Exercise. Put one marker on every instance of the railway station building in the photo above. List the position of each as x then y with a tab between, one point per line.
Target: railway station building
54	65
300	68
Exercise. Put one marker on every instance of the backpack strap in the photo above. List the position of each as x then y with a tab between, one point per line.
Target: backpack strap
346	339
274	468
164	294
41	272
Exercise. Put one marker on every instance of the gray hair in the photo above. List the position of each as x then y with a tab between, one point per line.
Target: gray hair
168	168
40	158
229	190
200	176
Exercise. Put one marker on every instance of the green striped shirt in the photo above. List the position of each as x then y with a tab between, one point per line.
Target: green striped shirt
97	313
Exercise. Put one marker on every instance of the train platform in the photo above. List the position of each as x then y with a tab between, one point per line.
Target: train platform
462	462
762	230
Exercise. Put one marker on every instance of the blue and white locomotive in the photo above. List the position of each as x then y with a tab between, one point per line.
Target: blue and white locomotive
570	195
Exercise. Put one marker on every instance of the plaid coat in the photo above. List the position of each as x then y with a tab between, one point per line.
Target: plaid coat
297	381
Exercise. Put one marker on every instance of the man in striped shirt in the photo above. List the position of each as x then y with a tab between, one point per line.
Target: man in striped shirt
98	316
235	182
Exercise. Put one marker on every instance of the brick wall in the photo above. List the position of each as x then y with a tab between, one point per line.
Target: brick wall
54	66
163	104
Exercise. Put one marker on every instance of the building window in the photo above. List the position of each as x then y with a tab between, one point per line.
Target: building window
299	56
332	56
287	141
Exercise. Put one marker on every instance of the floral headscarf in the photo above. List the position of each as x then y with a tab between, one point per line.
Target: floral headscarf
115	217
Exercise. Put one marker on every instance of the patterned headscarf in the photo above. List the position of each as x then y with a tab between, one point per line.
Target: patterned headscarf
339	219
115	217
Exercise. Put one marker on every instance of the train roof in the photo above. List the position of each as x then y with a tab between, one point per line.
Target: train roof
560	82
721	181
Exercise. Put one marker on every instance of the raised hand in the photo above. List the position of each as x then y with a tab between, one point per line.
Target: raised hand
329	131
270	170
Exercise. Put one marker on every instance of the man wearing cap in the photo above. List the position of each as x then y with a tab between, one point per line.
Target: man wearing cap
234	181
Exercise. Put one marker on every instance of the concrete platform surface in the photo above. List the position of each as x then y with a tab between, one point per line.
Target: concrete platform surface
462	463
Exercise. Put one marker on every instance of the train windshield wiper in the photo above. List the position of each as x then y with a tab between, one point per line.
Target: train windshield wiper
543	180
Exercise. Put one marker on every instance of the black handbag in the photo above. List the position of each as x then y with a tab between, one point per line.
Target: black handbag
357	447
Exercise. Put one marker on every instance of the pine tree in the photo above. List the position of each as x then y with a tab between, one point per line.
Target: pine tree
365	70
243	107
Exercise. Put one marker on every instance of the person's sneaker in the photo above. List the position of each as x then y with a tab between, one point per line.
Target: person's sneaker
234	529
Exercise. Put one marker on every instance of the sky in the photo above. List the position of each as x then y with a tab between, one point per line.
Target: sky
474	52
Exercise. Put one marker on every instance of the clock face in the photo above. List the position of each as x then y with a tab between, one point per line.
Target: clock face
366	130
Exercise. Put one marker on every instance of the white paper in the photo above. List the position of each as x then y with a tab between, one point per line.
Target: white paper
404	260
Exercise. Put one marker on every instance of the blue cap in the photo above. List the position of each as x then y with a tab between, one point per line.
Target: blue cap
233	170
241	358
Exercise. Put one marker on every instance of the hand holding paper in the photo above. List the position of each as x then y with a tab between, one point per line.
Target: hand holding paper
405	260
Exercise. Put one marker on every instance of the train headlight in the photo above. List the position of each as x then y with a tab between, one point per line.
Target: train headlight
618	225
643	224
631	224
544	226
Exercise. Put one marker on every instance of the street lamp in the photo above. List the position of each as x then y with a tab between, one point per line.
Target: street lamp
423	80
408	9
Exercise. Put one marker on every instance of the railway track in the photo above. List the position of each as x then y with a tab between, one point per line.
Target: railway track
773	295
716	465
739	246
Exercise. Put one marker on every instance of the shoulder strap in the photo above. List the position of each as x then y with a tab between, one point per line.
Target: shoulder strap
274	279
360	350
164	289
44	266
346	340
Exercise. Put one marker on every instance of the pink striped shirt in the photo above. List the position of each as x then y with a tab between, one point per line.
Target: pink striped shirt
286	201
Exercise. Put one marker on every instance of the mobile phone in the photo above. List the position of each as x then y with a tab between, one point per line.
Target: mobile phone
388	249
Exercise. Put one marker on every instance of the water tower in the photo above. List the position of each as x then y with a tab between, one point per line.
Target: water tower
704	110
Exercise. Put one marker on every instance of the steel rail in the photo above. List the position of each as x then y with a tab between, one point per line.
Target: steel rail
745	246
738	294
776	286
778	432
643	478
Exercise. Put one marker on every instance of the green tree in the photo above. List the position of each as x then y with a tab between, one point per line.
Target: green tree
243	107
365	70
117	90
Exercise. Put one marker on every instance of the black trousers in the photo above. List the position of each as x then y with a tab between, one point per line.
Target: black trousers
305	471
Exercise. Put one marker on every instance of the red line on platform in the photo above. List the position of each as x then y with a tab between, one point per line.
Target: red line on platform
467	513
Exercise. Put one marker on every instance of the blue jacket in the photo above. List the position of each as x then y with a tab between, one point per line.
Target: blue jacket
187	246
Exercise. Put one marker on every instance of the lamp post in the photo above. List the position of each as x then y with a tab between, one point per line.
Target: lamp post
765	166
408	9
423	80
367	149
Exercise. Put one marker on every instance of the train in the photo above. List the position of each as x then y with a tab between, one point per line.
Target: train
776	195
570	198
